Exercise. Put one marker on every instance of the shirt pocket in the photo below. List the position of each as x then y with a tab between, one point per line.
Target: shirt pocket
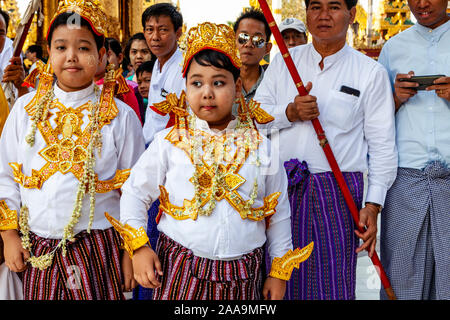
341	109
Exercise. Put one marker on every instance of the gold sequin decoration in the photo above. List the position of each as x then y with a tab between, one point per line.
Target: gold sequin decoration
67	143
8	218
180	136
282	267
133	238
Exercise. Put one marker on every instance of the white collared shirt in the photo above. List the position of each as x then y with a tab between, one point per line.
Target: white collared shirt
360	130
51	207
422	122
5	55
224	234
165	81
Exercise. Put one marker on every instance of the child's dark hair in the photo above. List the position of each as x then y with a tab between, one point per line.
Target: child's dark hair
5	17
254	14
114	45
63	19
146	66
163	9
216	59
36	49
134	37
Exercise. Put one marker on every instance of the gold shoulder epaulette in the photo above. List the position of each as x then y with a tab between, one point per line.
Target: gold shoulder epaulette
121	83
30	80
133	239
108	108
173	104
282	267
8	218
254	109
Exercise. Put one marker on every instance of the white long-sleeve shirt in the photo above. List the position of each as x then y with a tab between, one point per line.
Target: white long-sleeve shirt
51	207
167	80
223	234
5	55
360	130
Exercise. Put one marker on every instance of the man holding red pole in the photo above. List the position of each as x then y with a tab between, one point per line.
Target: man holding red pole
351	95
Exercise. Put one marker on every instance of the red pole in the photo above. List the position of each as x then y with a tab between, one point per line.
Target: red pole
324	142
23	37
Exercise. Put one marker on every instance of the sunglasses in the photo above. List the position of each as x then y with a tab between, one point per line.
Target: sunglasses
257	41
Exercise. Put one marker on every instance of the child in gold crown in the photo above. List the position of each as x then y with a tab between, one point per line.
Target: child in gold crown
65	151
219	204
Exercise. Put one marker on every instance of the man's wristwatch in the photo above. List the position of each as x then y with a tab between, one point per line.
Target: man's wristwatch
378	206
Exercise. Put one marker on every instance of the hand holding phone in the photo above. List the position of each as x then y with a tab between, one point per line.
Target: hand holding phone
423	81
403	90
442	88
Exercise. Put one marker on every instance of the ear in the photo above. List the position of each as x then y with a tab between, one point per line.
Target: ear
120	58
101	53
268	47
179	33
352	15
49	51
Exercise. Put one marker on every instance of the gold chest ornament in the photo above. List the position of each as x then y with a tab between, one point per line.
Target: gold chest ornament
216	175
68	153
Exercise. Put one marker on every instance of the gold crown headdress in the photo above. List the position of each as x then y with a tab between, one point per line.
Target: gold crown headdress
207	35
91	10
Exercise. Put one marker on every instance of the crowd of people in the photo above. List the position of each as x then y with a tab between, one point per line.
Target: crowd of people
195	173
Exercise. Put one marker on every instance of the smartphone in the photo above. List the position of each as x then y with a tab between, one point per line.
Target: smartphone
423	81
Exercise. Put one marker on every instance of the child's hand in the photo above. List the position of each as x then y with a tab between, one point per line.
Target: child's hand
274	289
15	255
145	261
129	283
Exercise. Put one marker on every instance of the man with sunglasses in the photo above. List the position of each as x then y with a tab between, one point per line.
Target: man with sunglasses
252	40
351	95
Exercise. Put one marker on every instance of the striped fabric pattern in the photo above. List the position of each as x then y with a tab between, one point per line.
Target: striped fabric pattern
89	271
415	233
188	277
320	214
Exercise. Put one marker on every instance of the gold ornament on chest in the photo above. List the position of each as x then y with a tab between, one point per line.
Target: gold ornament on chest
65	153
217	160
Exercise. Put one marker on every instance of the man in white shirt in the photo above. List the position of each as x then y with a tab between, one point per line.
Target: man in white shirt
416	256
351	96
162	25
4	108
11	70
6	50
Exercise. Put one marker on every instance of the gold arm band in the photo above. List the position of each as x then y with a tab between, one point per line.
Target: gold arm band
132	239
282	267
8	218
